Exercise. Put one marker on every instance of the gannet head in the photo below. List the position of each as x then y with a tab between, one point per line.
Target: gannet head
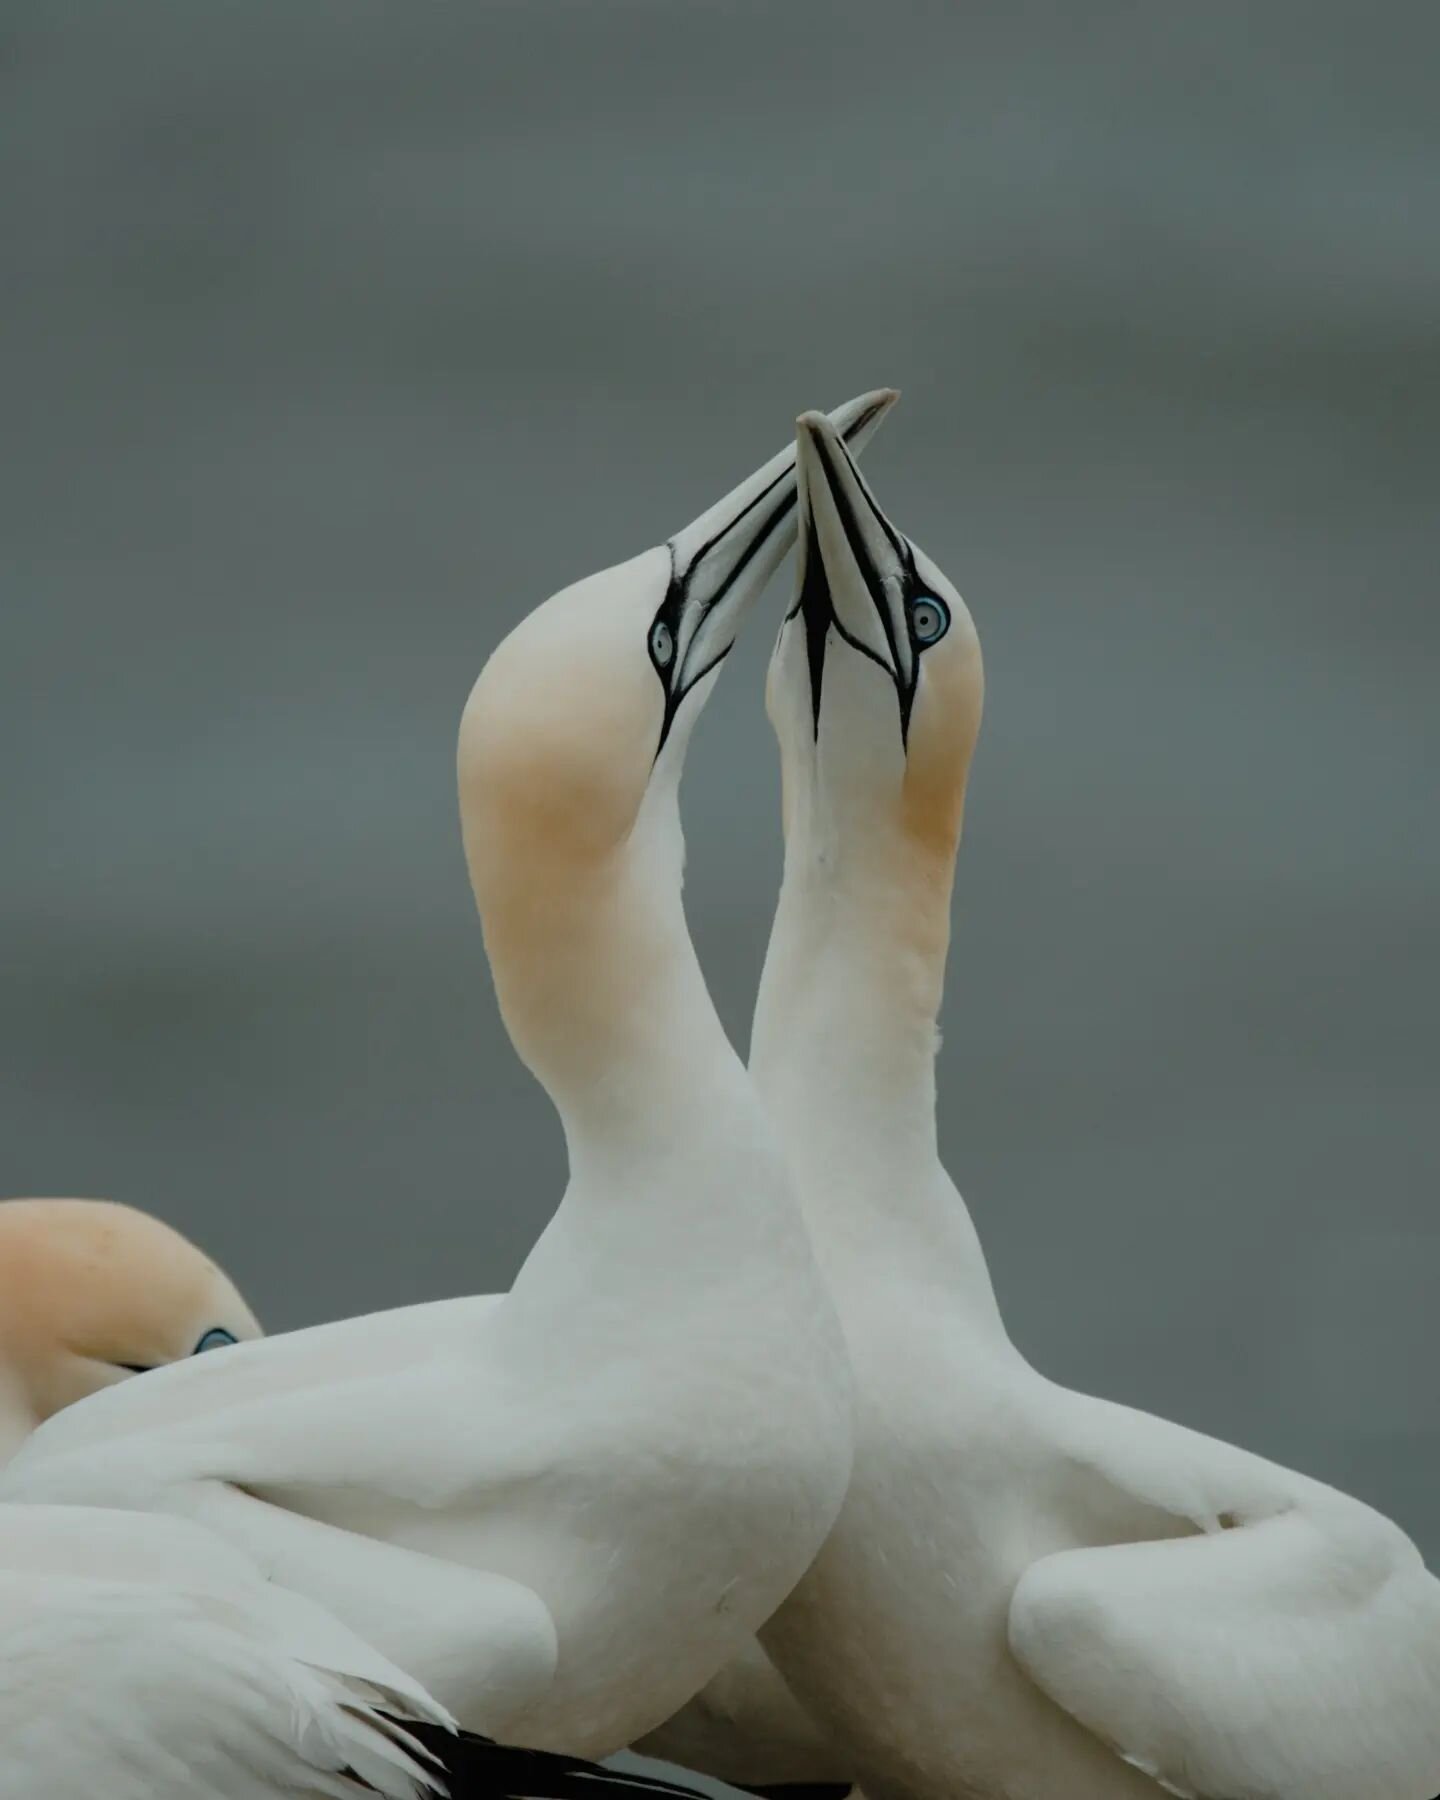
876	685
586	707
91	1292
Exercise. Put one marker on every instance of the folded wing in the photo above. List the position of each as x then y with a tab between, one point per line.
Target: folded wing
1289	1649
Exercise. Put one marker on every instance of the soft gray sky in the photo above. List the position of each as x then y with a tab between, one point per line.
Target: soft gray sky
337	336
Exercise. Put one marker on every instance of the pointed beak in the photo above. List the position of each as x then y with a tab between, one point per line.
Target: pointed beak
853	563
721	562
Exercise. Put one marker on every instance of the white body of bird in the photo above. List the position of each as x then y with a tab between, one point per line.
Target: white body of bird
566	1509
142	1656
1029	1593
138	1653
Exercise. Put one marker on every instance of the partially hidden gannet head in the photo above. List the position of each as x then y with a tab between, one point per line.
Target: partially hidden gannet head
876	685
586	707
91	1292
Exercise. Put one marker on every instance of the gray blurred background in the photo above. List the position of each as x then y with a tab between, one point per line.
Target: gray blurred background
336	336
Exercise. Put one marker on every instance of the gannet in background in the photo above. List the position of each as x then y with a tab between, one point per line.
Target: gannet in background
1030	1594
92	1292
565	1509
142	1658
141	1655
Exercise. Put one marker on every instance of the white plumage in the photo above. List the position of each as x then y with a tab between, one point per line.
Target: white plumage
566	1507
1029	1594
563	1510
1288	1643
143	1659
143	1656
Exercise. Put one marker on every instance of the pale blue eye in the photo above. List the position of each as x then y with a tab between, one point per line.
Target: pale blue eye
929	619
215	1339
662	644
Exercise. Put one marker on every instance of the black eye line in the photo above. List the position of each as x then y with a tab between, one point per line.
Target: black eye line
667	614
700	674
819	622
725	530
850	525
677	591
852	430
136	1368
898	544
819	616
915	589
904	691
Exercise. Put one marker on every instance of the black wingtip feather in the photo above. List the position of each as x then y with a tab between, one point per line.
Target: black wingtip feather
477	1768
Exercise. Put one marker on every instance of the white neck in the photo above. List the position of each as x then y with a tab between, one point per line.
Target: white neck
843	1056
674	1167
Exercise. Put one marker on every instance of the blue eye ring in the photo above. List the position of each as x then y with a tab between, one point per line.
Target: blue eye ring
662	644
216	1338
929	619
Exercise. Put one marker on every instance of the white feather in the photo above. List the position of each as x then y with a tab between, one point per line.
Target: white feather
562	1510
145	1660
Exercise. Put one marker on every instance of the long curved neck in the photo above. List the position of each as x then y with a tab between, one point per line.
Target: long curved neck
673	1163
843	1055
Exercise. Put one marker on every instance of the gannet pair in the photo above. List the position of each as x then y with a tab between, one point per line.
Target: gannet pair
1029	1594
564	1510
142	1657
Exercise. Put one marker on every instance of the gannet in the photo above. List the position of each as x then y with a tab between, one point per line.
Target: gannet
142	1658
141	1655
565	1509
91	1293
1030	1594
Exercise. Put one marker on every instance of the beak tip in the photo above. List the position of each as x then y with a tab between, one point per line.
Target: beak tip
874	405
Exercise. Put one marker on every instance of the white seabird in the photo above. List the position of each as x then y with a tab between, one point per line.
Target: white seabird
141	1656
562	1510
1030	1594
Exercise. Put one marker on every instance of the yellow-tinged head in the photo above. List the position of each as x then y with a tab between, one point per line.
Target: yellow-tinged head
91	1291
587	704
569	762
876	686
